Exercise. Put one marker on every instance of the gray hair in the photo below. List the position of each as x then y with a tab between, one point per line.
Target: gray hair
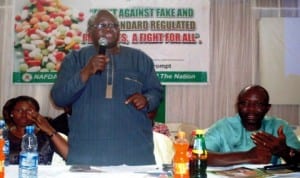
90	22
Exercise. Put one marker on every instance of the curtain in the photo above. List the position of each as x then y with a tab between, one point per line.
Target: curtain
234	64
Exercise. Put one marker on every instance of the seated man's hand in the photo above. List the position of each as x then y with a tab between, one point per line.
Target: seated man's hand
276	145
260	155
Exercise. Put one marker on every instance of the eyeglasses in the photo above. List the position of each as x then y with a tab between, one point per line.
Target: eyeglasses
102	26
19	111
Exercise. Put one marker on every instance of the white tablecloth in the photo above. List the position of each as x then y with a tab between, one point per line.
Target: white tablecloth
152	171
124	171
11	171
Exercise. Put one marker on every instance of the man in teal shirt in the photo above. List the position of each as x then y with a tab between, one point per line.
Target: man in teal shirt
250	136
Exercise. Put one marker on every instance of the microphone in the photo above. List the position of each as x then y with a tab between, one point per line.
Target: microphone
102	48
102	45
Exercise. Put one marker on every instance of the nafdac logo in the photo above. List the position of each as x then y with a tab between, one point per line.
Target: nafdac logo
27	77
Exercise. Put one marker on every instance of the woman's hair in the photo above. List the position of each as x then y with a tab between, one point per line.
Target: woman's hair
11	103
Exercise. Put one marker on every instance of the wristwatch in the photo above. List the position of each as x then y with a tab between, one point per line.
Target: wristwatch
292	153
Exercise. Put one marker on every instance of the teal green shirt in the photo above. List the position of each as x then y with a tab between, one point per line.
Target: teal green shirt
229	135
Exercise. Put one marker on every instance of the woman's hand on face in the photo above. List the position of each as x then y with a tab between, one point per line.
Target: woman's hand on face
41	122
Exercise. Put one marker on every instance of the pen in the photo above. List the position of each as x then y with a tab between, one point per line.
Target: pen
277	167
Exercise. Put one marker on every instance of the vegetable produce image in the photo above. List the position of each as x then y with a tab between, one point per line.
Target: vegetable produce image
45	30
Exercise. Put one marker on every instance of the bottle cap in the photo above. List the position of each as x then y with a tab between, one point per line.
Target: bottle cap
181	134
2	123
199	132
30	129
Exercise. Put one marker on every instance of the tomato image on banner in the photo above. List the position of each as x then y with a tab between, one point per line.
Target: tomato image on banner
45	31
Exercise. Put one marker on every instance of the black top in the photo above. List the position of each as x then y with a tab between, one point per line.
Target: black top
45	148
60	123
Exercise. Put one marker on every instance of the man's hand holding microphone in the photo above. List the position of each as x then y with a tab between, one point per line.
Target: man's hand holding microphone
97	63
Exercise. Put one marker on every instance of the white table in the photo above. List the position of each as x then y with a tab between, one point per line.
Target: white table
60	171
152	171
63	171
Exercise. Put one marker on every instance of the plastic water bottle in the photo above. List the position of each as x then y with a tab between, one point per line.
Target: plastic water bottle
4	135
28	161
181	159
2	158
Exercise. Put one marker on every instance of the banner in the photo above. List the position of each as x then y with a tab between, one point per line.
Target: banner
174	33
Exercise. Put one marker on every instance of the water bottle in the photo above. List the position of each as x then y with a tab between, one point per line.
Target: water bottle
2	158
4	135
28	160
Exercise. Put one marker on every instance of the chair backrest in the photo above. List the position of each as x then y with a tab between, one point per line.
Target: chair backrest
163	149
296	130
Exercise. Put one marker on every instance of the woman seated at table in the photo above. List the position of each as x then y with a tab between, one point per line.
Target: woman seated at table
22	111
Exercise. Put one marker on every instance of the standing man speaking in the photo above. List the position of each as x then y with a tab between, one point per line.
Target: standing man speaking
110	93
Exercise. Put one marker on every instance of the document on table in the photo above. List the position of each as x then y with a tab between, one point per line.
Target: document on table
251	171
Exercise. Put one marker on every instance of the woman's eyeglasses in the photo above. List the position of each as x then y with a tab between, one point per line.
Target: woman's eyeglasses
19	111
